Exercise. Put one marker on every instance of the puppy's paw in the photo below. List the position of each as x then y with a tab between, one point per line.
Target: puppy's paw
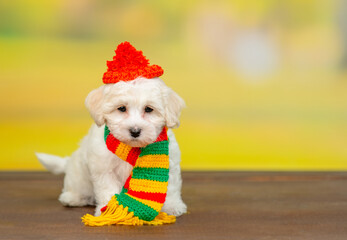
98	210
75	200
176	208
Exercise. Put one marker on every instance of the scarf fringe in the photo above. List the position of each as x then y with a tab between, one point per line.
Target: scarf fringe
117	214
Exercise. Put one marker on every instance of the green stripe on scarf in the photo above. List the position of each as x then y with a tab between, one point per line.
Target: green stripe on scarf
155	149
155	174
139	209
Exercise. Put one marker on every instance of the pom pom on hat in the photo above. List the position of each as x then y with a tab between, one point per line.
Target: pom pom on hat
128	64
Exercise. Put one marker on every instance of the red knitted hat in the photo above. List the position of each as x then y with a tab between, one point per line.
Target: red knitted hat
128	64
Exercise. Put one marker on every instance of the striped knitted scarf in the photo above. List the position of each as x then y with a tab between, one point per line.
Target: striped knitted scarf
144	192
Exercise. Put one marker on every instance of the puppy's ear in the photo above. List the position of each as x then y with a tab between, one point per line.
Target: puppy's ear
173	108
94	105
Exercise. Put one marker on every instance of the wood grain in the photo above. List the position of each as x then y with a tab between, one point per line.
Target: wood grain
222	205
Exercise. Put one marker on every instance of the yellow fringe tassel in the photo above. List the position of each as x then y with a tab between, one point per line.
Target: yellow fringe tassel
117	214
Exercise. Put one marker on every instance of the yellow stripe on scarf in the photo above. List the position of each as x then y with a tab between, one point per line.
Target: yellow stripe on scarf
149	161
122	151
144	185
155	205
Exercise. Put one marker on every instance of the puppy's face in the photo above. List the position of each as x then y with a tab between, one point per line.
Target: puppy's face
135	111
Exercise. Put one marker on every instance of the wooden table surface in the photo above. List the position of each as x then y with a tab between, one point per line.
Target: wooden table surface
222	205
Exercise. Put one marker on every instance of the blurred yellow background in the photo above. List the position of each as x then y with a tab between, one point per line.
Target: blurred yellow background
265	82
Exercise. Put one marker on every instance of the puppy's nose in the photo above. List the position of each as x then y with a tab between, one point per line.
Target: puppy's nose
135	132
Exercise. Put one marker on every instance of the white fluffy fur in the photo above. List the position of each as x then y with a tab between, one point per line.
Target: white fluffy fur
93	174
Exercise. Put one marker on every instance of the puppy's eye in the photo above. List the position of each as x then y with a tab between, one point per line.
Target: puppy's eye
148	109
122	109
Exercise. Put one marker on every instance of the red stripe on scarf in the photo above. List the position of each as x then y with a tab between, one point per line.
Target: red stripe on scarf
157	197
126	184
133	155
162	136
112	143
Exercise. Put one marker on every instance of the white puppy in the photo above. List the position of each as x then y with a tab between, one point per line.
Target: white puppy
135	112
